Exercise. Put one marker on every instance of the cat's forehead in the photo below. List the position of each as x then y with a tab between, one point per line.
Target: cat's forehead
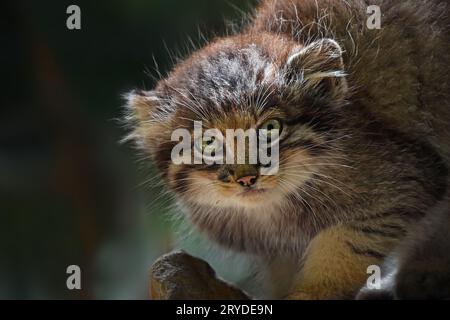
226	75
236	68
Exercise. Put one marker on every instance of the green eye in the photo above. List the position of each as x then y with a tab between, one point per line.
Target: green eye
272	124
208	142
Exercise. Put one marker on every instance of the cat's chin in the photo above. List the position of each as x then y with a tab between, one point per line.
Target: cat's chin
252	198
256	199
252	193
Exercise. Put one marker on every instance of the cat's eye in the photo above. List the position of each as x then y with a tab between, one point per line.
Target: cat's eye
208	142
270	125
210	146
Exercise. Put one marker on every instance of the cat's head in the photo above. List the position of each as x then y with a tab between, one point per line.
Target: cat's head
248	81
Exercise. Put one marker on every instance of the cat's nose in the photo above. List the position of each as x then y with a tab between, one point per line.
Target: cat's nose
247	181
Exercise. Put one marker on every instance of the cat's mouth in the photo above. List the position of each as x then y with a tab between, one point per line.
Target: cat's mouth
249	192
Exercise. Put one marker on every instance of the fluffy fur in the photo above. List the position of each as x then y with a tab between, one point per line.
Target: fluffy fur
365	141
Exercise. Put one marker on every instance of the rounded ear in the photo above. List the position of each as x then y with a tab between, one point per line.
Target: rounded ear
141	104
140	117
319	69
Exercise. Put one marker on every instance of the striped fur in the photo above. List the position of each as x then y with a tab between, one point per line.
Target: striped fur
365	145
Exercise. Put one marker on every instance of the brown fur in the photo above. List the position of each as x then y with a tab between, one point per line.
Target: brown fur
363	156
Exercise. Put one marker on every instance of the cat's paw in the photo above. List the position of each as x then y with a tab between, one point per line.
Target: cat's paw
425	280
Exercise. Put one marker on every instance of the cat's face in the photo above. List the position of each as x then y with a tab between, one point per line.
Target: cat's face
246	82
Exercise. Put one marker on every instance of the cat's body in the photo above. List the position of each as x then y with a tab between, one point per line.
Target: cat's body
365	139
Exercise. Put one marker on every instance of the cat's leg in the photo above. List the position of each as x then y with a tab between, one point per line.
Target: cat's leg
337	260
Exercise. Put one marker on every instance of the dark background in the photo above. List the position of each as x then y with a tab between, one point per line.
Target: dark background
69	192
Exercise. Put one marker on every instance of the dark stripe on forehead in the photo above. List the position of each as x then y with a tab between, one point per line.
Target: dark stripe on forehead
260	75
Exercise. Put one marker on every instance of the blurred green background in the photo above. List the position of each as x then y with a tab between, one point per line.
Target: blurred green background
69	192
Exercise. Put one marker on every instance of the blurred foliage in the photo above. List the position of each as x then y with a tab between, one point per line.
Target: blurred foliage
69	192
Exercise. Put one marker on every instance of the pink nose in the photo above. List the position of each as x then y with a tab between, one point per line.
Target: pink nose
247	181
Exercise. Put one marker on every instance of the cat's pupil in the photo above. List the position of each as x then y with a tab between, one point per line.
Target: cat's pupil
270	127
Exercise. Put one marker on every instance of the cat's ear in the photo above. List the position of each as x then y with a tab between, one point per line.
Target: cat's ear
141	104
140	117
318	68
